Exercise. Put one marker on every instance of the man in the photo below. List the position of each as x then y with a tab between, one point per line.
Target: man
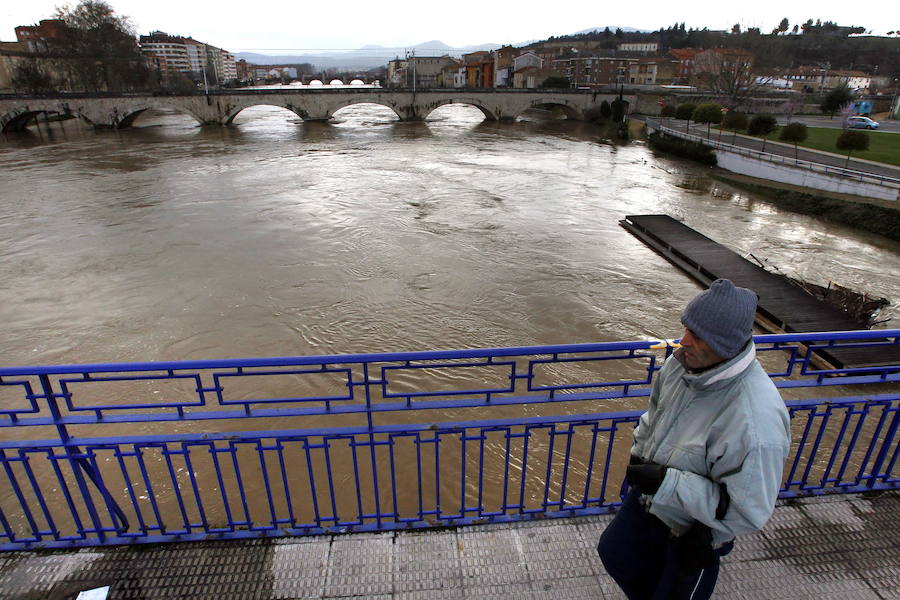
707	458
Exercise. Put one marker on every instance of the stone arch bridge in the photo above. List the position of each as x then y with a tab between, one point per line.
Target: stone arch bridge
220	108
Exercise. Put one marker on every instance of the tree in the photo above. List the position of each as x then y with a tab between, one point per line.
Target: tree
667	111
727	74
734	120
30	77
736	29
708	113
555	82
836	99
790	106
852	140
685	112
783	26
762	125
605	110
618	107
793	132
99	48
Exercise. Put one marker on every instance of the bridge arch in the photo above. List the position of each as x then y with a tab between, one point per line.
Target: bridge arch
235	111
18	119
336	106
552	103
131	113
487	111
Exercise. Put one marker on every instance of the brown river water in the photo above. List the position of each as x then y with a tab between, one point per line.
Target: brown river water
275	237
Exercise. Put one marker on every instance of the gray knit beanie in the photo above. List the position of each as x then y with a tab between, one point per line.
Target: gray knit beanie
722	316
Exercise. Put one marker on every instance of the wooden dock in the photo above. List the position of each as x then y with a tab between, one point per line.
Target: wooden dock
783	307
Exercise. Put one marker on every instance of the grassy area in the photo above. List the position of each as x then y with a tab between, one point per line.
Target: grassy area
883	146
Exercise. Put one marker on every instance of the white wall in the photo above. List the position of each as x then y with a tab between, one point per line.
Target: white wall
754	167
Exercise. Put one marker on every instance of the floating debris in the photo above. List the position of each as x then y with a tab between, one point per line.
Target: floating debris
859	305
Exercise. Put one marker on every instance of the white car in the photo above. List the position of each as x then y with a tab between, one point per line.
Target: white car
862	123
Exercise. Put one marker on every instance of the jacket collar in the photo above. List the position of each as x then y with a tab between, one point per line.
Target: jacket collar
722	373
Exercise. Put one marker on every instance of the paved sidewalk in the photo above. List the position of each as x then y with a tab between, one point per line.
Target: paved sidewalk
827	547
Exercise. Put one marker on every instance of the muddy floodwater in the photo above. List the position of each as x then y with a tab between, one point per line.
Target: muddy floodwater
275	237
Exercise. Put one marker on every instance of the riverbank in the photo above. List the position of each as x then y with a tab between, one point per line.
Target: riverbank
868	214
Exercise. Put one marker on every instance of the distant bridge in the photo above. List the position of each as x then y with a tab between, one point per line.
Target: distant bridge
220	108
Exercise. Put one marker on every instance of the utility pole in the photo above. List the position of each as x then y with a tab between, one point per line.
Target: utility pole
205	82
895	110
414	70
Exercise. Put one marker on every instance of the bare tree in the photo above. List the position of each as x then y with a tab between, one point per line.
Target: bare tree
99	48
726	73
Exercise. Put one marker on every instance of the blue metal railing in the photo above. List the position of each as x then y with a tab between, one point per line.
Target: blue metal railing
150	452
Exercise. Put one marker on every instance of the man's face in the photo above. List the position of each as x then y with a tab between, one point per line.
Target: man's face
697	354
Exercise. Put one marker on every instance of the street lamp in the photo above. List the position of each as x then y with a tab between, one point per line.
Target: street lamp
894	108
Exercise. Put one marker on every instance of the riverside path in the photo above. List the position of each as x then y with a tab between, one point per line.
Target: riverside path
787	150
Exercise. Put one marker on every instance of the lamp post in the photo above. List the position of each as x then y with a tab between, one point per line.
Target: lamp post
894	108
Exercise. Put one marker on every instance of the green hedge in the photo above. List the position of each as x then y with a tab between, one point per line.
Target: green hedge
683	148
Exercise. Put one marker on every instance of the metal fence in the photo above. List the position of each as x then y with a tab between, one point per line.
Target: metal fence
151	452
814	167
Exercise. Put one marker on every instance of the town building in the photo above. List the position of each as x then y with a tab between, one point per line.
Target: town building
684	71
857	81
420	72
242	69
645	47
594	70
190	57
37	38
528	59
479	69
532	77
652	71
452	75
503	66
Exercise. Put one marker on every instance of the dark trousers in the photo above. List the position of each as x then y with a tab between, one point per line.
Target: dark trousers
639	554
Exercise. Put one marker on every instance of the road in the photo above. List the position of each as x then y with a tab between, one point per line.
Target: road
891	126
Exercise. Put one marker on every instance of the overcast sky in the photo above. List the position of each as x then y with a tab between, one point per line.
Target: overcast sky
266	25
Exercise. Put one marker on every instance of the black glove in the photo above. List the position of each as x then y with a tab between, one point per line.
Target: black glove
647	476
695	548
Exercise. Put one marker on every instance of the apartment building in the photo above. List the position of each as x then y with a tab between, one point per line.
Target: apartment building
594	70
189	56
638	47
652	71
684	71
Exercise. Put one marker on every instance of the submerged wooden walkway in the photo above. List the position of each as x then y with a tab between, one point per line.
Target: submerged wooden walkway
783	307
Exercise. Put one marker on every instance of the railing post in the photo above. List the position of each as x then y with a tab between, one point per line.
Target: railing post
72	454
885	446
370	424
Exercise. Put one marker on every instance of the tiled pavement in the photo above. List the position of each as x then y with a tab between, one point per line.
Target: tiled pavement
827	547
